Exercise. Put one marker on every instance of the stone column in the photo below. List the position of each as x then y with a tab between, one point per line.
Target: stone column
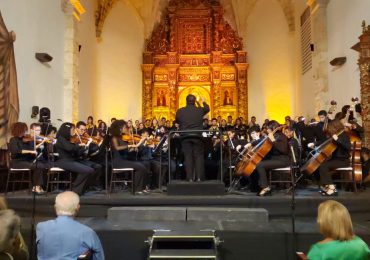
147	103
364	64
320	54
242	87
70	98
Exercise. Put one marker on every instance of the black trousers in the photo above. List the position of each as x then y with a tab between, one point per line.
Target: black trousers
84	174
326	168
141	172
156	167
96	178
37	169
275	161
193	150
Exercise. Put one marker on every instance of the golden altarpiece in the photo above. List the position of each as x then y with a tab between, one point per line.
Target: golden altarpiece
194	50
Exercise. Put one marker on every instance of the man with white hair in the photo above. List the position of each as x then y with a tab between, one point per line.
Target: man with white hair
64	237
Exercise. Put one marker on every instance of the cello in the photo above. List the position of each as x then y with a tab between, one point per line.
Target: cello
249	162
320	155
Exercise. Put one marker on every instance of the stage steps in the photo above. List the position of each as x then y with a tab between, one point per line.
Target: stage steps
183	245
198	214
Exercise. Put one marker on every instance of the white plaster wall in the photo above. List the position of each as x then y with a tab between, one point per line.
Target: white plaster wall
119	56
305	82
344	28
39	25
87	75
271	56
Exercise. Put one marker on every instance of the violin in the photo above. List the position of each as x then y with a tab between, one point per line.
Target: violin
39	139
131	139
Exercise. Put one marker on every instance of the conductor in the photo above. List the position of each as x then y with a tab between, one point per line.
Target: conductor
191	118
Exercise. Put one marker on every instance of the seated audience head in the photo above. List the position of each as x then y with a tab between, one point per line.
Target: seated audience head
9	229
67	204
334	221
3	204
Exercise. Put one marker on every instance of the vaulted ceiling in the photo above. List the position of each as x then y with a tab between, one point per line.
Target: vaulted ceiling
149	11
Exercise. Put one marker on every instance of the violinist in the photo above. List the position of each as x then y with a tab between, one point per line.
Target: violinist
278	157
69	158
92	149
340	157
120	153
24	155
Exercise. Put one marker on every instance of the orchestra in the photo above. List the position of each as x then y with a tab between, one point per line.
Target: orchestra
249	152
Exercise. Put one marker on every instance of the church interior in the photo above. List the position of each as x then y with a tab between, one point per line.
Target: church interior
138	61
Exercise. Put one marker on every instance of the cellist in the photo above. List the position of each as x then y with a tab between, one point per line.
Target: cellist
339	158
278	157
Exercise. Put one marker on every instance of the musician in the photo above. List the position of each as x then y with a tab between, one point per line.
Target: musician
223	126
92	149
278	157
240	129
102	129
205	123
214	126
253	122
191	118
24	155
90	127
339	158
319	129
292	141
230	121
120	154
69	154
365	156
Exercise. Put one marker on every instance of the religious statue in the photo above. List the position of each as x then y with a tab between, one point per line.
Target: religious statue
228	100
161	98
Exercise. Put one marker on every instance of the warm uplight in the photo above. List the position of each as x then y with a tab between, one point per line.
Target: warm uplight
79	9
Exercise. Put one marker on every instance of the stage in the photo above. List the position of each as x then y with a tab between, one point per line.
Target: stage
241	239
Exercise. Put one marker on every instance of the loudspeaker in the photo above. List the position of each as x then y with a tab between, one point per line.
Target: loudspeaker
35	111
43	57
44	114
338	61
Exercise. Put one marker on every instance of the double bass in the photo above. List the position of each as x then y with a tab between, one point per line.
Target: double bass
249	162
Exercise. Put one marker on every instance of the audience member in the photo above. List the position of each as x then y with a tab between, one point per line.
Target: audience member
20	250
10	243
339	241
64	237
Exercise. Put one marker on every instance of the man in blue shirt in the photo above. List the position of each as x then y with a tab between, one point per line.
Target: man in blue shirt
64	238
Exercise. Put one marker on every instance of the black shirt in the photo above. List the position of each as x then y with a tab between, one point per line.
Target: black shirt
191	117
16	145
68	150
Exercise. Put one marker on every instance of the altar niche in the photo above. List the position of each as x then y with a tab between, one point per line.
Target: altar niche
194	50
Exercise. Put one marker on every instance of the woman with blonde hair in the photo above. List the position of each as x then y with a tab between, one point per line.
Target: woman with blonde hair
340	241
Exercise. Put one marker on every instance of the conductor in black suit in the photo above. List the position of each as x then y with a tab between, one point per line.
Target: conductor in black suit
191	118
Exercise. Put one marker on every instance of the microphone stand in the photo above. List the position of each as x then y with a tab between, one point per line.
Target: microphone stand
294	167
